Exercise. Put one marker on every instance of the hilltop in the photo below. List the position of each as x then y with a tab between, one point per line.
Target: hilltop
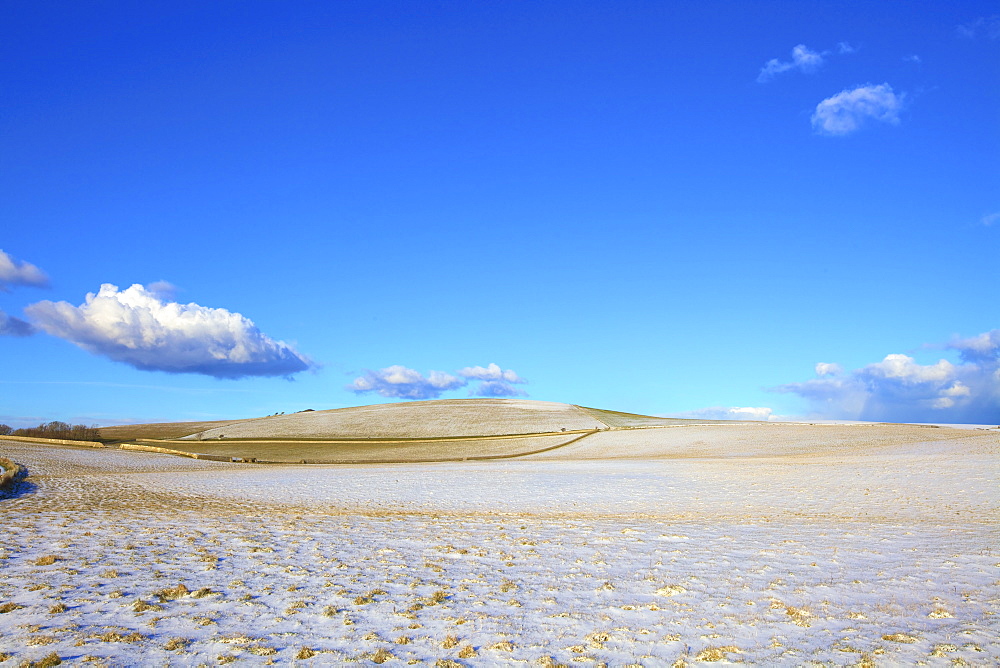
471	429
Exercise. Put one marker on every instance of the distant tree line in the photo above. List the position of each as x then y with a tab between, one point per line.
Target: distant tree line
55	429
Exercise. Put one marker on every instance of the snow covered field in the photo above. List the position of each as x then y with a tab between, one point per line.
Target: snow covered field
417	419
882	553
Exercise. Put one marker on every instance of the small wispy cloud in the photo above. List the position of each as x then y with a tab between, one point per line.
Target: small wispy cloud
17	273
11	326
913	58
138	327
899	389
984	26
803	59
990	219
163	289
400	382
849	110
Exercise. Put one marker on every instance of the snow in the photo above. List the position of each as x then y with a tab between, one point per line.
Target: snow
831	554
417	419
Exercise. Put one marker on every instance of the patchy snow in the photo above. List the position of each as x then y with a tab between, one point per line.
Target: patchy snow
837	555
416	419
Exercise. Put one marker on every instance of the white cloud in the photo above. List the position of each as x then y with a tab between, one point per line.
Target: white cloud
990	219
496	388
904	369
913	58
844	47
11	326
759	413
13	272
980	348
826	369
898	389
400	382
803	59
497	382
136	327
849	110
491	372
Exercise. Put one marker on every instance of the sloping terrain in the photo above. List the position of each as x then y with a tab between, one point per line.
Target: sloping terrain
749	439
449	430
352	452
809	549
128	432
417	419
618	419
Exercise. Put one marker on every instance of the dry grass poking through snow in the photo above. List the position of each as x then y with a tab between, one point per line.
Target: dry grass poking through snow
132	558
130	432
9	474
372	452
417	419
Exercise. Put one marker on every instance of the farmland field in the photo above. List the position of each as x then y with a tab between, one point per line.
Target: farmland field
418	419
766	544
157	430
372	451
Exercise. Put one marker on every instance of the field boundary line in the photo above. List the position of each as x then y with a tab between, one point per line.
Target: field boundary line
591	415
253	460
53	441
374	441
470	458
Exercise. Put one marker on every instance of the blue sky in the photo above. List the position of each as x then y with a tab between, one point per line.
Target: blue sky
666	208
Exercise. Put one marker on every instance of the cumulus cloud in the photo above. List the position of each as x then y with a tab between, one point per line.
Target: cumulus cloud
761	413
491	372
14	272
803	60
899	389
11	326
163	289
849	110
139	328
496	388
496	382
400	382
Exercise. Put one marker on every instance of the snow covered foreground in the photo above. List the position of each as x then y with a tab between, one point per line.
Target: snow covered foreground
877	558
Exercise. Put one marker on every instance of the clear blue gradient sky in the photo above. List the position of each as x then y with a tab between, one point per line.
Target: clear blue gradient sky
658	207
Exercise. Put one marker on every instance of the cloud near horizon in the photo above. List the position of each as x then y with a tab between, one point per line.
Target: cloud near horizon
496	382
400	382
14	272
898	389
849	110
731	413
137	327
